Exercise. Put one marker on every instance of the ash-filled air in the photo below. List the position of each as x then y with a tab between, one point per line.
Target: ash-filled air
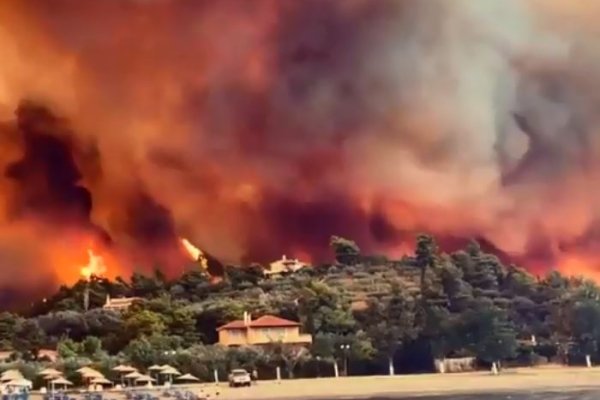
260	128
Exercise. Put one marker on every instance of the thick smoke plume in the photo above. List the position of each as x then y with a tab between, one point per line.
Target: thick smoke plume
257	128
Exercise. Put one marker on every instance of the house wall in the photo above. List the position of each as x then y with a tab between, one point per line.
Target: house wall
233	337
256	336
280	266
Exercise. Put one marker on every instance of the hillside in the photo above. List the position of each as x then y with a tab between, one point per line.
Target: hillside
404	312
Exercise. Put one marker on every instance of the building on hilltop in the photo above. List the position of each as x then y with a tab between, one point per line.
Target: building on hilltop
284	265
261	331
48	355
7	356
120	304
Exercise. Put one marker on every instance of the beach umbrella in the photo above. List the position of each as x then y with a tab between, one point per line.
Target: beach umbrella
155	370
9	372
92	375
132	376
124	368
20	383
60	382
50	377
169	372
145	379
188	378
11	375
88	373
165	366
101	381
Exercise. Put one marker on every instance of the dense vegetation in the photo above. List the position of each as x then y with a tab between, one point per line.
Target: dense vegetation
366	310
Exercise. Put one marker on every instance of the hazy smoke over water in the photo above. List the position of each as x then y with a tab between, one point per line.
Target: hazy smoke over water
261	128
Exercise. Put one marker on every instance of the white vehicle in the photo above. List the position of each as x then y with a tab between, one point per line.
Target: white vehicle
239	377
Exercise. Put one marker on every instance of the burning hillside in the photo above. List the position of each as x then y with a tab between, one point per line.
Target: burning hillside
261	128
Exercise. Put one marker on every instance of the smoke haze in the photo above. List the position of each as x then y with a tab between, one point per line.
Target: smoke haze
261	128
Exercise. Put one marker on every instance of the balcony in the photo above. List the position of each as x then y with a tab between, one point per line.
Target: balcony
304	338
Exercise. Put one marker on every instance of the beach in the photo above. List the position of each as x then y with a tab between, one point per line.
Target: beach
548	383
527	383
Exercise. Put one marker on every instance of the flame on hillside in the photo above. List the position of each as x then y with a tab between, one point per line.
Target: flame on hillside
145	125
94	267
195	253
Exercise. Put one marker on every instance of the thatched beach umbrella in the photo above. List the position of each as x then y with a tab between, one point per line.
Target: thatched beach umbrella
101	381
23	383
154	370
88	374
51	376
145	379
132	376
91	375
124	369
11	375
169	372
188	378
61	382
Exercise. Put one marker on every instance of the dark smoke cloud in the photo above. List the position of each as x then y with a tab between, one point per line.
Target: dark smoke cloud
305	225
47	180
47	187
261	128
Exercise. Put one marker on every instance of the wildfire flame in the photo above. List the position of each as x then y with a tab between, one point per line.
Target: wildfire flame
94	267
195	253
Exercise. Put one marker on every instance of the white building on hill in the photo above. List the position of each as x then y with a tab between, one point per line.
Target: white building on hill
284	265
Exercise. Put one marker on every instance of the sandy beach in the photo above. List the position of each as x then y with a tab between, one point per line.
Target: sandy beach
529	383
546	383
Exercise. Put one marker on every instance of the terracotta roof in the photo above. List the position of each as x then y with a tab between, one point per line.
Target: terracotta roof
270	320
238	324
266	321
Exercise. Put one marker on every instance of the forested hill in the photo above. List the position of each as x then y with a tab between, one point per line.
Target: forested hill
411	310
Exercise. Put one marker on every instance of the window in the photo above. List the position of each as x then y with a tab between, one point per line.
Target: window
236	333
274	333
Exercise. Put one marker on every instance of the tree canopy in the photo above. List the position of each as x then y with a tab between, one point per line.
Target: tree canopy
375	312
